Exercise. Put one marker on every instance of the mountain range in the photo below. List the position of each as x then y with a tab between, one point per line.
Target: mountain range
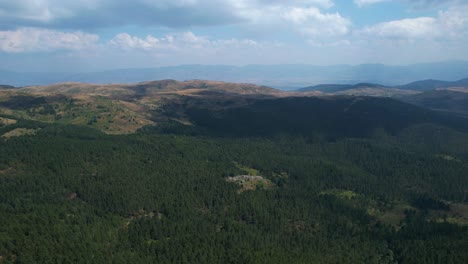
125	108
285	77
215	172
420	86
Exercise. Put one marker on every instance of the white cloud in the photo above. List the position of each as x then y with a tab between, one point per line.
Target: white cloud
301	15
322	33
84	14
414	4
454	21
424	4
405	28
128	42
186	41
37	39
261	14
44	11
110	13
172	13
284	3
362	3
448	25
315	24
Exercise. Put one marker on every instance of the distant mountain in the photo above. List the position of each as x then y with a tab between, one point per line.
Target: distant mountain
376	92
286	77
360	89
333	88
381	90
153	88
427	85
6	87
424	85
461	83
326	88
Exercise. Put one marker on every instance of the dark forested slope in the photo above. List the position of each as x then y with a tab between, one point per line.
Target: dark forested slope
441	100
342	180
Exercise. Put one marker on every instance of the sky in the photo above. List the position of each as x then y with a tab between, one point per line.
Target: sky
94	35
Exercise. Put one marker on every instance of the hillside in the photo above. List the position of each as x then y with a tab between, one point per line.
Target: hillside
4	87
427	85
333	88
455	101
360	89
211	172
112	108
327	88
370	89
376	92
460	83
151	88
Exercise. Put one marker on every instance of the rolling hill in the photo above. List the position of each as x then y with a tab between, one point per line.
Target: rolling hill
6	87
125	108
113	108
151	88
433	84
212	172
370	89
360	89
455	101
333	88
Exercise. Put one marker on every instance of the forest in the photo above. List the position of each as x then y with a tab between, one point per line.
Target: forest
343	180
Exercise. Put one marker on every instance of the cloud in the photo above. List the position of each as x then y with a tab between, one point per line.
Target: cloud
454	22
127	42
37	39
186	41
87	14
309	30
414	4
309	18
263	3
423	4
113	13
315	24
362	3
44	40
188	48
451	24
405	28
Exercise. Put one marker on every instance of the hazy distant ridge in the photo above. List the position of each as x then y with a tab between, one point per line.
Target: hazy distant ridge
424	85
279	76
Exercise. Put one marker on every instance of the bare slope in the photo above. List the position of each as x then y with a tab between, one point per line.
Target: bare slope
152	88
115	108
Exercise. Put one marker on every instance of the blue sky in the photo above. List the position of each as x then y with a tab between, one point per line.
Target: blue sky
91	35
